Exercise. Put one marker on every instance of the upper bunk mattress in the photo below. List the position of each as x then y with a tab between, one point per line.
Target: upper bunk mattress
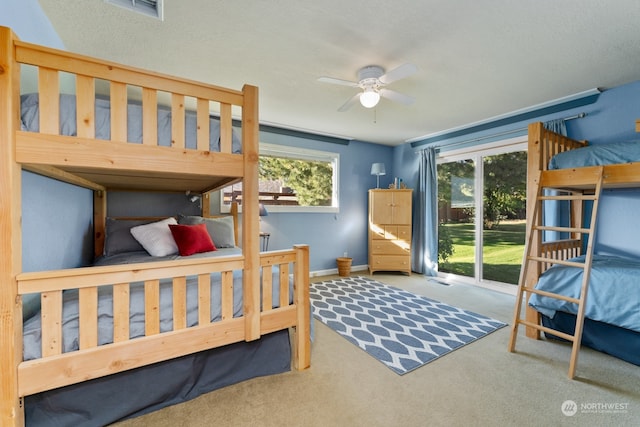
29	106
598	155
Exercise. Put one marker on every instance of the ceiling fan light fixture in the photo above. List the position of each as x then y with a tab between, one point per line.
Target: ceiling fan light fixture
372	80
369	98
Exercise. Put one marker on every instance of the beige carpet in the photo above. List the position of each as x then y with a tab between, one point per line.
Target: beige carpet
480	384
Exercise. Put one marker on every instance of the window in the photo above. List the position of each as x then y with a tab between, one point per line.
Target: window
293	180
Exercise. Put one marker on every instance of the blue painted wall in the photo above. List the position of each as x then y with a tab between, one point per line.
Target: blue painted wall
57	224
612	118
28	21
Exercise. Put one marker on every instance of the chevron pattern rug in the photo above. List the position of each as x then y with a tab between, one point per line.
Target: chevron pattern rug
402	330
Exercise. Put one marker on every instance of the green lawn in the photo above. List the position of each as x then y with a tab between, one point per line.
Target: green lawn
503	249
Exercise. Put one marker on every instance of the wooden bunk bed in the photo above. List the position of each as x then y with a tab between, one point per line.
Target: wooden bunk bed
83	159
568	288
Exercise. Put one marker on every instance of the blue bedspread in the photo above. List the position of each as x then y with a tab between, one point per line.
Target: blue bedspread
598	155
613	296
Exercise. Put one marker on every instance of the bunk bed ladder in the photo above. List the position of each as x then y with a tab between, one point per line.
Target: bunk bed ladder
576	185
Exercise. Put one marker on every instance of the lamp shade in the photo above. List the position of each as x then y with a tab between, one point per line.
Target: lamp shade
263	210
378	169
369	98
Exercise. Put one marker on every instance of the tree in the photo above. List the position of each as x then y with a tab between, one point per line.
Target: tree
505	187
455	189
311	181
445	243
504	194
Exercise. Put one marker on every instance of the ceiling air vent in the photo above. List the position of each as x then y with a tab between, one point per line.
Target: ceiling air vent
153	8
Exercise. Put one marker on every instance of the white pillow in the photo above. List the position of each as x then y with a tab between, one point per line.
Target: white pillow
156	238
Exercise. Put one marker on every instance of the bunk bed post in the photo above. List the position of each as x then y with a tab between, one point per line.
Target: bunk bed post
302	331
205	208
576	215
234	214
11	411
250	225
535	162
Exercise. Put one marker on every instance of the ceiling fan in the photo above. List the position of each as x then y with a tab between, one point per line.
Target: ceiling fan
372	79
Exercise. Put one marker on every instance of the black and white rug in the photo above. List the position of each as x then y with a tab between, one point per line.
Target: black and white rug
402	330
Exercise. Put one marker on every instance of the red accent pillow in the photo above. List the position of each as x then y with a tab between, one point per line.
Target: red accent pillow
192	239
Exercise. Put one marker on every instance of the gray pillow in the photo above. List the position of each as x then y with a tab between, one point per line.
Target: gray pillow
220	229
118	237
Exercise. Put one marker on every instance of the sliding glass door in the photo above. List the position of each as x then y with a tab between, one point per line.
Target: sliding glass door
481	213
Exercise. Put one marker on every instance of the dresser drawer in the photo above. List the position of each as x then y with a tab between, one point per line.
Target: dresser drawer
391	232
377	231
391	262
390	247
404	233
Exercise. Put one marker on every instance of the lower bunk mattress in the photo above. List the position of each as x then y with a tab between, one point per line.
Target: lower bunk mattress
613	340
129	394
613	296
612	309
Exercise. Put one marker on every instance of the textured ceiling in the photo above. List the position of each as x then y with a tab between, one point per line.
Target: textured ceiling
475	59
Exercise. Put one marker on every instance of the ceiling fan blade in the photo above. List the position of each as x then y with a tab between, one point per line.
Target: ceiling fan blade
398	73
353	100
337	81
396	96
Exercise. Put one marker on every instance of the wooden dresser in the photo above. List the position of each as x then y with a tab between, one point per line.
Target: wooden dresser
390	230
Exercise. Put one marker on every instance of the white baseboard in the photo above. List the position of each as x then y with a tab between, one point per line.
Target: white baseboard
334	271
